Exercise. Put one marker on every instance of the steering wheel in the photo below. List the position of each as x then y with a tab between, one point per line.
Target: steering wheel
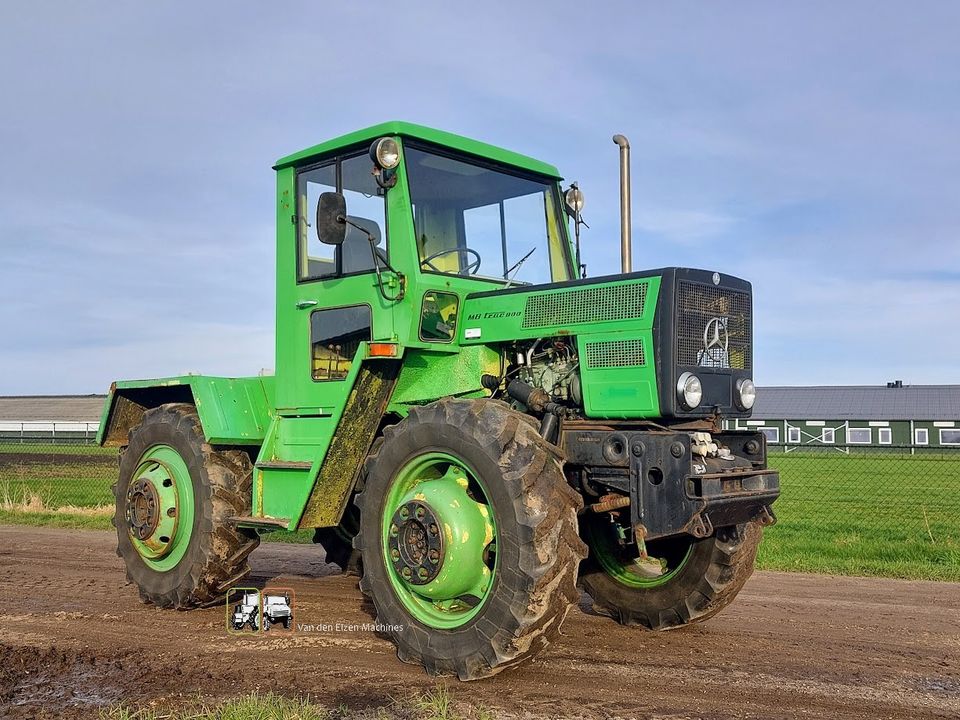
471	267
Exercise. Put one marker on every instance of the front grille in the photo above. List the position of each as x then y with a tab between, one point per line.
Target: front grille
615	353
586	305
714	327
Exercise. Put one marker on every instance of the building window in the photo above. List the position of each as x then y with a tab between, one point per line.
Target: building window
772	433
885	436
859	436
949	437
921	436
793	434
828	436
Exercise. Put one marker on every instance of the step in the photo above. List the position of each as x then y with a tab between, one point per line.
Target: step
264	522
284	465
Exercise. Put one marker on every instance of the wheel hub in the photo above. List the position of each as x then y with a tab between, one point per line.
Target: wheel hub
143	509
416	543
438	539
152	508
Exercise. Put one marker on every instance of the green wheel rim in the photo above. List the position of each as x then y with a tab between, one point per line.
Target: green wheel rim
619	567
451	590
159	508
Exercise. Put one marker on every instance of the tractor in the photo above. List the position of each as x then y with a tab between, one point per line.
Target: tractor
247	611
459	414
276	611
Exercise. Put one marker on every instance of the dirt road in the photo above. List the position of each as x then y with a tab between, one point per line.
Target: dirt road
74	637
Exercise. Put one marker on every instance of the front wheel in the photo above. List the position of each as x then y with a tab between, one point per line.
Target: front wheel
684	581
469	538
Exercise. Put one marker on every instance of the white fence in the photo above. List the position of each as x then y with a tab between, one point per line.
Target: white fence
48	432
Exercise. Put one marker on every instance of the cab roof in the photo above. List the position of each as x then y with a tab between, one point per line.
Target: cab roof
420	132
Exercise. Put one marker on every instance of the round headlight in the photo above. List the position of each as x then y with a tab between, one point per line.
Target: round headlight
385	152
574	199
746	394
689	390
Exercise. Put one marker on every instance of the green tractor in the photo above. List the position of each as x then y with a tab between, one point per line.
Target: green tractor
460	415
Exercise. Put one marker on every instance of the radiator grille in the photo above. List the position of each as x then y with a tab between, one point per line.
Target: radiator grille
586	305
714	327
615	353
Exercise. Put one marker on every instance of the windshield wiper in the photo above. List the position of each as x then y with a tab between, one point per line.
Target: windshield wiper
516	266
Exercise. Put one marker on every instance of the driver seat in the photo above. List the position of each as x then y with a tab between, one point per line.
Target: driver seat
355	253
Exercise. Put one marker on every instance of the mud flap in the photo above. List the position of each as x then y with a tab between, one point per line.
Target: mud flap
355	434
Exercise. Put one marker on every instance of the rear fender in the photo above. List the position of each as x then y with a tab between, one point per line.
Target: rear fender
233	411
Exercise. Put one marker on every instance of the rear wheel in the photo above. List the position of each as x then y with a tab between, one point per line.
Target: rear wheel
685	580
469	538
174	498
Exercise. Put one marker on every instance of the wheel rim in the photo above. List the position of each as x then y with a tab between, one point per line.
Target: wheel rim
439	538
673	555
158	508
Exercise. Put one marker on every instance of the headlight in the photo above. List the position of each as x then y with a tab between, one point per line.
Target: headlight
574	199
385	152
689	390
746	394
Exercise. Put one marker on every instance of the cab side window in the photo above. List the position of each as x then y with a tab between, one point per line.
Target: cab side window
366	207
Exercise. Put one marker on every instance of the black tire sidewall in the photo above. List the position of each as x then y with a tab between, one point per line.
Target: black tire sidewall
676	601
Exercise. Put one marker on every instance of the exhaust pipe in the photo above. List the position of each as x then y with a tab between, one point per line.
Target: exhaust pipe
626	261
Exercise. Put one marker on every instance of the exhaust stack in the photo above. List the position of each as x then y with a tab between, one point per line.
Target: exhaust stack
626	261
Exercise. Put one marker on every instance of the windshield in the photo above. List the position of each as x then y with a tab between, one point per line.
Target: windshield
472	219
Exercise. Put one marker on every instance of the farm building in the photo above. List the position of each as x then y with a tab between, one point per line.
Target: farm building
50	418
893	415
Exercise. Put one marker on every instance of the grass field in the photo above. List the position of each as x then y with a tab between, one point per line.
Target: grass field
888	515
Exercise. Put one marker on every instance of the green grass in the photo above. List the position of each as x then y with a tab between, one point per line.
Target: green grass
59	449
435	704
890	515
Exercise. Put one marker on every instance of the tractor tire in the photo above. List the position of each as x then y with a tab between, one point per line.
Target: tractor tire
208	555
515	477
337	543
709	577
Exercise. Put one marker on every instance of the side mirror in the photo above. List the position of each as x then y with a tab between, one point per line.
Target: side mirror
331	218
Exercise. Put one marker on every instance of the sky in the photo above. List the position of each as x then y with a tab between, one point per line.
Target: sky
811	148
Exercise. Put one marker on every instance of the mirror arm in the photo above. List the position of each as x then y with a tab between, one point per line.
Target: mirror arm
376	261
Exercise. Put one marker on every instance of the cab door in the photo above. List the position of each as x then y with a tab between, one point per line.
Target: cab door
331	307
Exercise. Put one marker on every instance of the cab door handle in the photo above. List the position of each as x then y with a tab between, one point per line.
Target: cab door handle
304	304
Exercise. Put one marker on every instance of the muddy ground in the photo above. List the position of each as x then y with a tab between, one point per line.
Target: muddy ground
74	637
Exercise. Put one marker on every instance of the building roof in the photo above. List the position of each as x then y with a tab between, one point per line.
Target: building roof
51	408
859	402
